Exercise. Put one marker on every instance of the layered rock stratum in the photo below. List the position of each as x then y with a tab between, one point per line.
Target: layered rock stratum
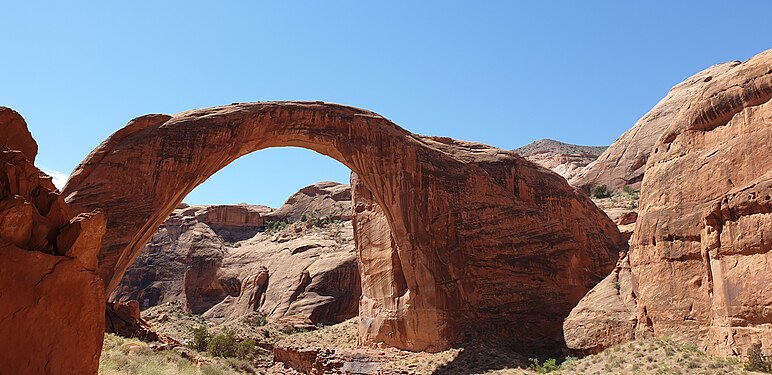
701	255
469	232
223	262
562	158
624	162
51	303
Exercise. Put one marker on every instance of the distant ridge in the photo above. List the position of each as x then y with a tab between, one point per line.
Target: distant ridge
558	148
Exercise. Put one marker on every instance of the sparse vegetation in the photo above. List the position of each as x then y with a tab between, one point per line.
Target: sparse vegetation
757	361
548	365
601	191
631	193
274	226
201	337
222	345
121	356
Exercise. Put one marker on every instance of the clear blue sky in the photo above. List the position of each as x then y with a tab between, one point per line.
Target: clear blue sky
504	73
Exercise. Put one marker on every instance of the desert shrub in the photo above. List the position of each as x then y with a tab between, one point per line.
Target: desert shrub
690	347
548	365
222	345
240	365
290	329
245	349
257	320
757	361
201	337
601	191
211	370
630	192
274	226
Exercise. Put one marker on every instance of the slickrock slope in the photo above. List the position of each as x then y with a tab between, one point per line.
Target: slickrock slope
304	273
562	158
701	255
481	234
624	162
51	303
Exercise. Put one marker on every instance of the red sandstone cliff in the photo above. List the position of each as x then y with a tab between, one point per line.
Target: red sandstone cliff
51	305
701	255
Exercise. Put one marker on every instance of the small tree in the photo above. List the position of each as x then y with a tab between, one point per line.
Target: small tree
201	338
222	345
601	191
245	348
756	359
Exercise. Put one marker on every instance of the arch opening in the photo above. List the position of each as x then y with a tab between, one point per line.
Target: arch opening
223	258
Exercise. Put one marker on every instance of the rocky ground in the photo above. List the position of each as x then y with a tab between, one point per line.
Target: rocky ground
334	349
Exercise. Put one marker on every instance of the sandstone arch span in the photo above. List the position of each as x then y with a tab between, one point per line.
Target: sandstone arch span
447	232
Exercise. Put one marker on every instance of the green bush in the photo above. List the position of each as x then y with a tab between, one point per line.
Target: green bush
601	191
757	361
274	226
632	193
549	365
245	349
257	320
222	345
201	337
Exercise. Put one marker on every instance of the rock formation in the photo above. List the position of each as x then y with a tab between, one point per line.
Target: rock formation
701	255
124	319
51	302
624	162
479	233
562	158
329	200
305	273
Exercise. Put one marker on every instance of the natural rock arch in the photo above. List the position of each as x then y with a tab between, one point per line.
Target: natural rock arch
447	232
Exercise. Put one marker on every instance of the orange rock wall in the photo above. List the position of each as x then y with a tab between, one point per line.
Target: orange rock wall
700	258
51	302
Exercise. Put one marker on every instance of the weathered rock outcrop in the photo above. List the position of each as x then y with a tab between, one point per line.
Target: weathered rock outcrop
482	235
51	303
562	158
701	254
329	200
624	162
305	273
124	319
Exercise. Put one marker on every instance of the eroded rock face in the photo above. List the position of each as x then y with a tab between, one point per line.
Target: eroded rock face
701	253
51	305
479	231
303	274
124	319
562	158
329	200
624	162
